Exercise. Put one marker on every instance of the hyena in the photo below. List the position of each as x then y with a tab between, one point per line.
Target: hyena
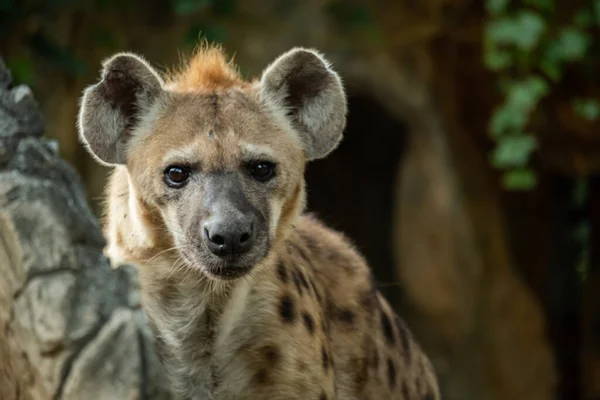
248	296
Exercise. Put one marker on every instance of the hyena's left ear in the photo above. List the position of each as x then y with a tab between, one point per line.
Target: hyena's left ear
302	85
111	109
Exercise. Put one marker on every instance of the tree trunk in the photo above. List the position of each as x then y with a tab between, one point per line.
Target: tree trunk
71	327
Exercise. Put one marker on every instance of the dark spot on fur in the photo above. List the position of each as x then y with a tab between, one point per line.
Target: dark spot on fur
344	315
404	340
325	358
302	365
309	323
297	283
375	358
361	373
282	272
215	108
303	255
391	373
261	377
303	280
323	396
287	310
429	396
368	299
271	353
387	329
215	377
314	288
405	393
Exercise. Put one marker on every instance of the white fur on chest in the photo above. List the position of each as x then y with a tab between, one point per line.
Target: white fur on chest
201	343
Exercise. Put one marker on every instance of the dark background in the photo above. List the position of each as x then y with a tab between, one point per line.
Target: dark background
486	243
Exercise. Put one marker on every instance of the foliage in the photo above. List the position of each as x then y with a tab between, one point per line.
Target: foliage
16	17
206	20
528	44
530	51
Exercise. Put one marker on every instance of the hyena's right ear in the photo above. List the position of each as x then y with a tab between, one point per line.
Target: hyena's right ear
110	109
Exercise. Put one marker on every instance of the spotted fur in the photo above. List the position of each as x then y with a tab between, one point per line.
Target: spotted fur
304	320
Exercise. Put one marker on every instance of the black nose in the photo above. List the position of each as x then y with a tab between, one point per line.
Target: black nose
226	238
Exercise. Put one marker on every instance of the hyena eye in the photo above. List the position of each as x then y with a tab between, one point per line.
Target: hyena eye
176	176
261	170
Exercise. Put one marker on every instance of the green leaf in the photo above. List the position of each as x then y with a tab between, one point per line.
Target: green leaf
571	44
521	98
507	119
22	70
495	7
587	108
596	7
513	151
519	179
524	30
526	94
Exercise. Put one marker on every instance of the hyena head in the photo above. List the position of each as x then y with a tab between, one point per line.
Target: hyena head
216	162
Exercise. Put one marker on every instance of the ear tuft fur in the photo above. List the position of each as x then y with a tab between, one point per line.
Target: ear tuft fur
110	109
301	84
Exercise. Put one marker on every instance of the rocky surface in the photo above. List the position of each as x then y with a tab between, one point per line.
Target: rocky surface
71	327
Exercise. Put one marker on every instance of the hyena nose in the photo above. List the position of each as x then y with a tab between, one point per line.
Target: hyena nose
226	238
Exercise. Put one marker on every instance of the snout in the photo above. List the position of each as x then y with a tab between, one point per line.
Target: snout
229	237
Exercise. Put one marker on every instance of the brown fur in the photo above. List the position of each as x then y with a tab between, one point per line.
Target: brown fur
306	322
207	69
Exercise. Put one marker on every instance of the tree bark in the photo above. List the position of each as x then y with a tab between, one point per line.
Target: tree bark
71	327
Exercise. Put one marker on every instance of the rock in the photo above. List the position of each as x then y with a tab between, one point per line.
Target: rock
71	326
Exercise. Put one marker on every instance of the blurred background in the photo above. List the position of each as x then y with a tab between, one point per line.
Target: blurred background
468	175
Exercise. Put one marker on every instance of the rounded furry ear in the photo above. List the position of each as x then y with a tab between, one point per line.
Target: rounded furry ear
301	85
111	109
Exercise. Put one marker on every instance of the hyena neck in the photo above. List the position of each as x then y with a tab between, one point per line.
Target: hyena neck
190	315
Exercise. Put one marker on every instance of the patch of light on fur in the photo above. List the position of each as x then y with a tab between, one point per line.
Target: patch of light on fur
187	154
139	230
234	310
276	206
251	150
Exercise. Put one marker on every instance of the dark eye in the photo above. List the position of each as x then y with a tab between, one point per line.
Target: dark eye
261	170
176	176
